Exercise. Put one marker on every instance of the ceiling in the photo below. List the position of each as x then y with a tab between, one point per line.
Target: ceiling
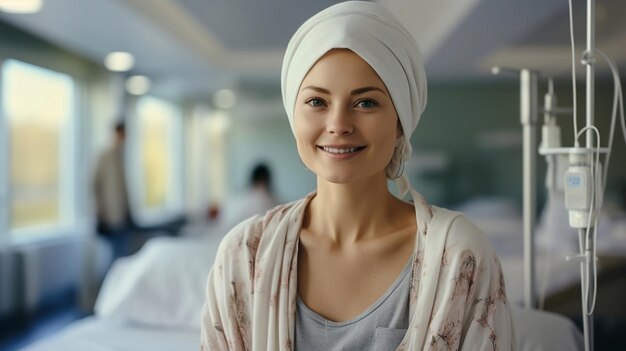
190	48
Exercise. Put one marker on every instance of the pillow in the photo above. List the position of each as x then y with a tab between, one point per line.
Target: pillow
161	285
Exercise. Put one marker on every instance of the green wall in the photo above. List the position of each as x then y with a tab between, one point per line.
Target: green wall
463	118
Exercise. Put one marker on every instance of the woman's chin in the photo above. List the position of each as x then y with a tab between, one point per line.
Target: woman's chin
346	177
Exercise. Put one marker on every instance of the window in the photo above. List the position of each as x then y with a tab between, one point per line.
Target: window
160	158
39	112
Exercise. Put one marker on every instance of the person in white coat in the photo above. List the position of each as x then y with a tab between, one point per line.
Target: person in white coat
257	199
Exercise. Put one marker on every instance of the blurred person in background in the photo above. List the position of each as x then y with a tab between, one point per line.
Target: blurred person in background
257	199
113	217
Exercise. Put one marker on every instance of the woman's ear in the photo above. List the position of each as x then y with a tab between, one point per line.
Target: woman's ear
398	141
399	133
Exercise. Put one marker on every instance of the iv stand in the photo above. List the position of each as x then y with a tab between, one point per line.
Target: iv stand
586	256
529	109
528	118
588	265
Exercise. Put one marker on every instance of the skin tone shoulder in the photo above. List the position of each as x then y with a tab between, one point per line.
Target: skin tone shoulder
356	236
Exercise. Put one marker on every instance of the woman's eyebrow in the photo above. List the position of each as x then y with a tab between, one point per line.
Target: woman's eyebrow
318	89
353	92
365	90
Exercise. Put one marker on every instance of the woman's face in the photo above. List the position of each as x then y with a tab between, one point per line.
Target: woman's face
345	122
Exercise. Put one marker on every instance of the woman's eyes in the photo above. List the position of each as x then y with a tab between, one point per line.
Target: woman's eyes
363	103
366	103
315	102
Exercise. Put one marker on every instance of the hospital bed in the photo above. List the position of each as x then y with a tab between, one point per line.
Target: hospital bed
501	221
152	301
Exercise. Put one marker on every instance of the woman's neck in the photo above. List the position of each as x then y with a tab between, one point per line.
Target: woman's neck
347	213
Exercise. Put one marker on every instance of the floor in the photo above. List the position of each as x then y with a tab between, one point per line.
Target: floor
26	331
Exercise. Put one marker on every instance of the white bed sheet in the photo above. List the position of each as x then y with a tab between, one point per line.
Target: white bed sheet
162	285
97	334
562	275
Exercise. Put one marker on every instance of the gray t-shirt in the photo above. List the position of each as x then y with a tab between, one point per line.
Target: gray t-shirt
381	327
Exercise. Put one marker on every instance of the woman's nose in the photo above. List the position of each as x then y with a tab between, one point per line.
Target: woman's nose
339	122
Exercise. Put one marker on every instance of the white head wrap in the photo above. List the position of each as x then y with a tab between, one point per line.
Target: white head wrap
372	32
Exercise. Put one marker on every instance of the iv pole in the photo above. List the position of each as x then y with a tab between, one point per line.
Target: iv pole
586	243
529	110
588	265
528	119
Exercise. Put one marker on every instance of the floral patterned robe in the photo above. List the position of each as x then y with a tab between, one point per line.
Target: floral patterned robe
457	297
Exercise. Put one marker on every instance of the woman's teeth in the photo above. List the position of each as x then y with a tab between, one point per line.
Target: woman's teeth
334	150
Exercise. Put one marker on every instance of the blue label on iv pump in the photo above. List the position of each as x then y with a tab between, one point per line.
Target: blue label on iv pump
574	181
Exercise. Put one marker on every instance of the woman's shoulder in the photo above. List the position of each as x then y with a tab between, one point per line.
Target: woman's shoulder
463	234
466	248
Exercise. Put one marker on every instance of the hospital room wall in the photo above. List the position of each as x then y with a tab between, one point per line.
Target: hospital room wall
476	124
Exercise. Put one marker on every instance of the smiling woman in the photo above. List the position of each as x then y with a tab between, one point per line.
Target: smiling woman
344	113
351	266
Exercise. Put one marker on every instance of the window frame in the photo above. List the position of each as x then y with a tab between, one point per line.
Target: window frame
69	159
175	202
5	194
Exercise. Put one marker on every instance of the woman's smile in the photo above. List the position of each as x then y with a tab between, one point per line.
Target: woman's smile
341	152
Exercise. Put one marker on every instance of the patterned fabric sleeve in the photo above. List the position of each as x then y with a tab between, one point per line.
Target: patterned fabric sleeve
225	321
471	310
213	336
489	324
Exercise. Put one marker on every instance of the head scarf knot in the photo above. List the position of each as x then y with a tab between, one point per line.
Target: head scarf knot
372	32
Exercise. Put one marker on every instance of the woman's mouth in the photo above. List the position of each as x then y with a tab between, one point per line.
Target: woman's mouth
342	152
336	150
